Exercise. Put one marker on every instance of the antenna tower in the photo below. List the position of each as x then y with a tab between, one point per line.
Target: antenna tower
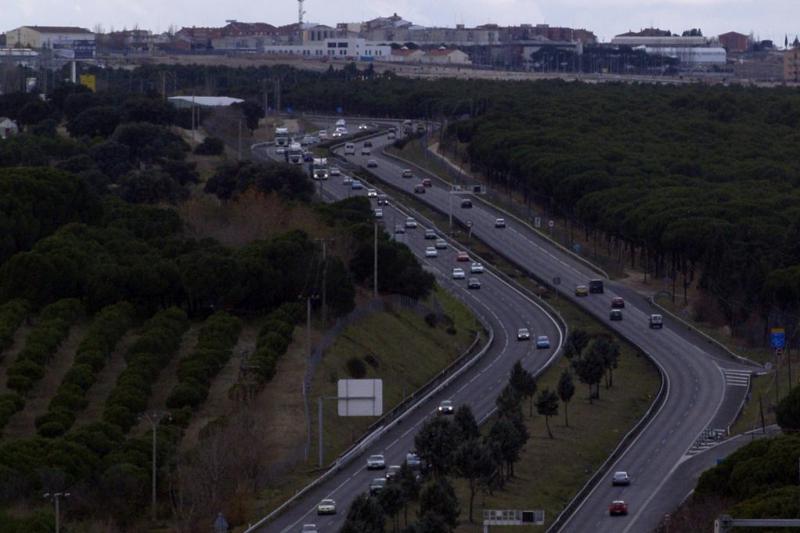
300	12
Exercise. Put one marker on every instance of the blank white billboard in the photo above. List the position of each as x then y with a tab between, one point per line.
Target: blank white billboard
360	397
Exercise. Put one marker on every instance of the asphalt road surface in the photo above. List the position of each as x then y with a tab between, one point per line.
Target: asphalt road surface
502	307
704	387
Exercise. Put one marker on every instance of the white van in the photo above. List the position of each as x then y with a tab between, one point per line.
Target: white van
349	149
366	150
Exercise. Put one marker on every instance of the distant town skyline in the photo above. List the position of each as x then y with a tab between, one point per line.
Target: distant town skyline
766	19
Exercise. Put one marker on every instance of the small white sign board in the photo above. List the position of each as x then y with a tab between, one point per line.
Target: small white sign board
512	517
360	397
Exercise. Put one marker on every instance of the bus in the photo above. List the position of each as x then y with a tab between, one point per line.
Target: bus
295	154
319	168
281	136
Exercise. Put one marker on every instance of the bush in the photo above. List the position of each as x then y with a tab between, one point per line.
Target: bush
210	146
187	395
356	368
11	316
787	413
431	319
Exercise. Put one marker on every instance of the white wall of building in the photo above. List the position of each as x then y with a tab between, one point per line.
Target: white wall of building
333	49
692	55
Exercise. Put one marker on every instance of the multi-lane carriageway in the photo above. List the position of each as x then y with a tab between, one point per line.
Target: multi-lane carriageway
703	386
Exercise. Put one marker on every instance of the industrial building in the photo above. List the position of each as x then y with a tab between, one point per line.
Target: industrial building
65	41
346	48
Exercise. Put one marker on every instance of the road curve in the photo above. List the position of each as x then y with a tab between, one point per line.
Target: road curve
502	307
704	387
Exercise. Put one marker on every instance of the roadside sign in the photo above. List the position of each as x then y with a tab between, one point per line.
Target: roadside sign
339	110
551	224
537	222
778	338
512	517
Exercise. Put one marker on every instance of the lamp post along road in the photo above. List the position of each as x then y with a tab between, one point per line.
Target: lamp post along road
154	418
56	497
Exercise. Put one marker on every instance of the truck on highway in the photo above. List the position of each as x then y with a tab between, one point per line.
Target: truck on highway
349	149
295	154
281	136
319	168
408	127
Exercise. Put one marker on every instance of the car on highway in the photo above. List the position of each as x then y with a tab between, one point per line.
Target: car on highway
366	151
326	506
476	268
280	150
462	257
383	199
371	163
413	461
391	136
392	471
618	508
596	286
446	407
372	193
458	273
620	478
322	134
334	171
500	223
379	213
615	315
347	180
407	173
419	188
398	228
309	528
427	182
430	234
411	223
377	485
474	283
441	244
430	251
376	462
466	204
581	290
542	342
656	321
356	185
367	144
523	334
363	127
617	302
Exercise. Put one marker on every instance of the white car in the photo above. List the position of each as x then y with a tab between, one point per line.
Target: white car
347	180
476	268
371	163
322	134
523	334
391	136
500	223
441	244
376	462
309	528
411	223
620	478
326	506
458	273
280	150
398	228
430	251
372	193
334	171
379	213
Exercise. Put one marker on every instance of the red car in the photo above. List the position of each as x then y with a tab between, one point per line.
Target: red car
427	182
617	508
462	256
617	302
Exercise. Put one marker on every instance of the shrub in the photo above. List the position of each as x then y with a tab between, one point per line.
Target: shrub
356	368
210	146
431	320
12	314
187	395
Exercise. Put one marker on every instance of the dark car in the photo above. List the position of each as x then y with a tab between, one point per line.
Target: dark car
617	302
615	314
430	234
466	204
377	485
618	508
620	479
427	182
596	286
446	408
474	283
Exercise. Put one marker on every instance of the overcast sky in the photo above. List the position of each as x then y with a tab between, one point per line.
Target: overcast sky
767	19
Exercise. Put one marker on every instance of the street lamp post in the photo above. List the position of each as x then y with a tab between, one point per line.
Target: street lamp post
154	417
56	497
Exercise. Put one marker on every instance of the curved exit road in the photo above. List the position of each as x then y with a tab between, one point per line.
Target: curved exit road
704	387
500	306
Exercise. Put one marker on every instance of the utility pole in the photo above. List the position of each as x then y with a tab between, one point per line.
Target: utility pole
154	417
56	497
324	281
240	140
375	261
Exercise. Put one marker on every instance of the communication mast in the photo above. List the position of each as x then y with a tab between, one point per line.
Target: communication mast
300	12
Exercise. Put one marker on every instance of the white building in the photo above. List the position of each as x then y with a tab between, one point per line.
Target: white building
674	41
203	101
349	48
7	128
446	56
66	41
24	57
694	55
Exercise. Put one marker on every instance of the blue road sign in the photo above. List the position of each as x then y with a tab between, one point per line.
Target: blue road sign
339	110
778	338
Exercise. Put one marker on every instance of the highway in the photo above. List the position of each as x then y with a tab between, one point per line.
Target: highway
501	307
704	388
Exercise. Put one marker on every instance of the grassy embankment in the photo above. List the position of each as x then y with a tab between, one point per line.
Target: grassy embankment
551	471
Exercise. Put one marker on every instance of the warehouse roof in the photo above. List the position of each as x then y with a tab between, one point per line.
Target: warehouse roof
58	29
